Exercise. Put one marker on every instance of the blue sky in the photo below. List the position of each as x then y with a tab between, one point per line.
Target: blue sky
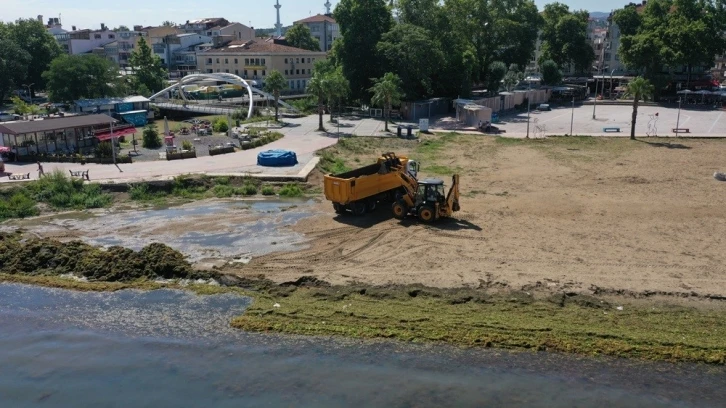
258	13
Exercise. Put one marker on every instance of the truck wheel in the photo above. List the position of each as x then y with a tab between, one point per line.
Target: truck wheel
339	208
399	210
358	208
426	214
371	205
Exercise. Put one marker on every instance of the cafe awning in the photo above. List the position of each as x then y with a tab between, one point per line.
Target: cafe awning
116	133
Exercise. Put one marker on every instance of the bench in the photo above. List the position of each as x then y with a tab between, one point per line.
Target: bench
681	130
83	174
25	176
611	129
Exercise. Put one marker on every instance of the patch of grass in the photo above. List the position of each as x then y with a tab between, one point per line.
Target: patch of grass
223	191
329	163
440	169
248	190
268	191
579	324
55	189
291	190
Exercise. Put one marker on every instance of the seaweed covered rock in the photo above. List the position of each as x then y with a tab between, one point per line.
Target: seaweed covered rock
116	264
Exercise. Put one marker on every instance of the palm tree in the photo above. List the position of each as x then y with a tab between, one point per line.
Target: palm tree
274	83
317	86
639	88
386	93
336	87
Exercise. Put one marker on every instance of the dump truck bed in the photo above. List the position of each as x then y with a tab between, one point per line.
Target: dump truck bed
364	182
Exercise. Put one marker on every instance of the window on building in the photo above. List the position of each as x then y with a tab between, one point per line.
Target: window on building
209	71
209	60
304	83
263	61
236	72
297	72
292	84
309	71
226	60
308	60
97	36
285	72
217	60
297	60
298	84
254	72
226	70
285	60
245	73
247	61
111	36
235	61
257	62
264	73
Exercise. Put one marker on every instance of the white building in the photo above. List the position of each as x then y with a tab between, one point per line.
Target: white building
179	52
324	28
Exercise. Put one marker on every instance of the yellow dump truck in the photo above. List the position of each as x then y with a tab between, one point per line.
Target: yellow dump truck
361	190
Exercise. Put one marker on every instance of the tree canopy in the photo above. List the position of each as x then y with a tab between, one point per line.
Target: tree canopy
149	72
670	32
73	77
299	36
414	55
14	63
362	24
387	93
551	74
564	37
30	36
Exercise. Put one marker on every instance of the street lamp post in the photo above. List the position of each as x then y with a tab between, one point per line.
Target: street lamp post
572	118
611	83
529	88
30	94
678	120
594	104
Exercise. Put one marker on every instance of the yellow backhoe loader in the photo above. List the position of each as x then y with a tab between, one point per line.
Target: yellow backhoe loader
426	199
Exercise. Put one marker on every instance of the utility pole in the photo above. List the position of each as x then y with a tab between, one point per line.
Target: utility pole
594	104
572	118
529	88
113	145
678	120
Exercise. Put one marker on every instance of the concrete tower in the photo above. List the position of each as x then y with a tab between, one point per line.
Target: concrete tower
278	26
327	7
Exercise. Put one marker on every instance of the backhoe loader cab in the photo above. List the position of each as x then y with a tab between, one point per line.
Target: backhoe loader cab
430	191
427	199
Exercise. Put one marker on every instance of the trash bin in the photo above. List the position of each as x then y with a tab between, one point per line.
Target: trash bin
409	132
398	131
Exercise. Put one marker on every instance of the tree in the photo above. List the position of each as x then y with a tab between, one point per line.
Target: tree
495	75
274	84
299	36
33	38
564	37
421	13
387	93
74	77
336	88
362	24
14	64
639	88
414	56
151	139
121	28
147	66
168	23
20	107
551	74
317	87
512	78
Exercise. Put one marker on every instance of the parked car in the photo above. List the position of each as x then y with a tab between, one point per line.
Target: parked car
544	107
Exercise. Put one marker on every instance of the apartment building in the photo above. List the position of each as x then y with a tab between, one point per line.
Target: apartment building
255	59
178	52
324	28
203	25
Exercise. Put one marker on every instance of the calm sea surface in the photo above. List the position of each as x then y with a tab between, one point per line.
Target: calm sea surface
174	349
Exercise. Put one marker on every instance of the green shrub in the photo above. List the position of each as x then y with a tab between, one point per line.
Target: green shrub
268	191
103	150
220	125
291	190
223	191
248	189
151	139
187	145
222	180
329	163
140	192
19	206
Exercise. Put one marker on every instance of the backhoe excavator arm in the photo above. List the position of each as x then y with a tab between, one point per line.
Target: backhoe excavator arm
411	186
452	199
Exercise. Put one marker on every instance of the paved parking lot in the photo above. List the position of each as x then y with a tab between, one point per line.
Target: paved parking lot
701	123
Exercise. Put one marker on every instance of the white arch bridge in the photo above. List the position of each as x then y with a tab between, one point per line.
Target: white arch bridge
168	99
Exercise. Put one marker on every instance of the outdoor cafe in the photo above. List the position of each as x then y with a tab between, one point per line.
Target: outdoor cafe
69	135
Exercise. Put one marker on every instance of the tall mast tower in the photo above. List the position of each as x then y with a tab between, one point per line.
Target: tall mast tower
327	7
278	26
